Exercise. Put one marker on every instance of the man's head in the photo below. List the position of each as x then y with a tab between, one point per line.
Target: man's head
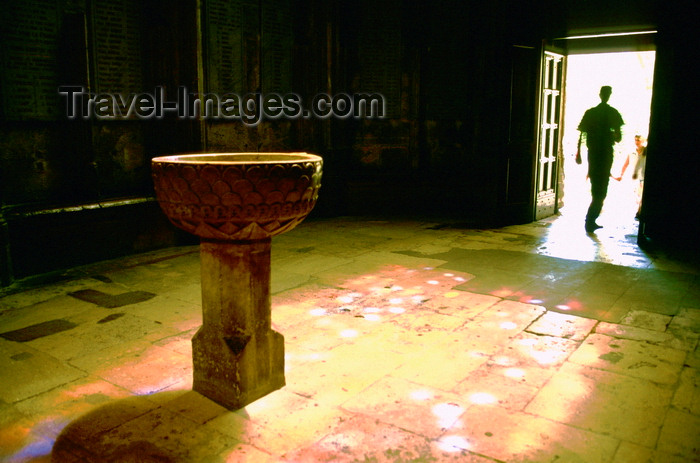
605	92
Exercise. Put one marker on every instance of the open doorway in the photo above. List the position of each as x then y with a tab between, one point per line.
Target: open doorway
630	74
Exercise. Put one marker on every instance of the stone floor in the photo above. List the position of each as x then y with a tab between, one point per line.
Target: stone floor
406	341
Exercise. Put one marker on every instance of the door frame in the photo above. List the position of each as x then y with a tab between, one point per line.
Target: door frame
524	135
519	198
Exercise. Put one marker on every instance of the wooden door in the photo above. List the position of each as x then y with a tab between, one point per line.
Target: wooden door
549	137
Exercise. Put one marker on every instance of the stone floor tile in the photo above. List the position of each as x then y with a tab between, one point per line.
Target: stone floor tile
523	371
327	339
114	300
509	316
686	319
691	298
142	371
183	384
193	406
332	377
246	453
500	283
589	304
27	372
676	281
616	313
268	424
282	281
19	438
429	279
610	279
427	321
527	349
35	450
647	320
560	278
492	385
354	268
392	229
629	357
180	343
661	300
59	307
377	441
52	410
684	338
462	303
306	263
375	262
157	435
104	418
156	280
420	275
693	358
190	293
98	358
543	297
180	258
660	303
398	299
36	294
607	403
410	406
354	245
632	453
658	338
450	357
679	435
110	331
673	264
328	331
430	246
180	315
298	307
687	396
562	326
521	437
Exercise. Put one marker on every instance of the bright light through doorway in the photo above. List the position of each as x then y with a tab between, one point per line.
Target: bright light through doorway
630	74
631	77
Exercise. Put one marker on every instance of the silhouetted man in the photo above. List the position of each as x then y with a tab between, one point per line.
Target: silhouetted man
601	125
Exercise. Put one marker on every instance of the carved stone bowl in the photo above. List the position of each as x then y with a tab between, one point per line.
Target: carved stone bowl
237	196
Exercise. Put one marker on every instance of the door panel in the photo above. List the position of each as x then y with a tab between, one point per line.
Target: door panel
536	113
552	77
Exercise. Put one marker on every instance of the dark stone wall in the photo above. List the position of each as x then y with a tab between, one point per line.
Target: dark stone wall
444	68
74	191
669	216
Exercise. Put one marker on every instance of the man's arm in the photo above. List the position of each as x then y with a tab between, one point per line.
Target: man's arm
617	134
617	129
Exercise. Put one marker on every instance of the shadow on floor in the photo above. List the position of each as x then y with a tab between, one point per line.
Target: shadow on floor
139	430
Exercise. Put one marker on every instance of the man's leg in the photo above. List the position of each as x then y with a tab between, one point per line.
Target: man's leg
599	190
599	167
